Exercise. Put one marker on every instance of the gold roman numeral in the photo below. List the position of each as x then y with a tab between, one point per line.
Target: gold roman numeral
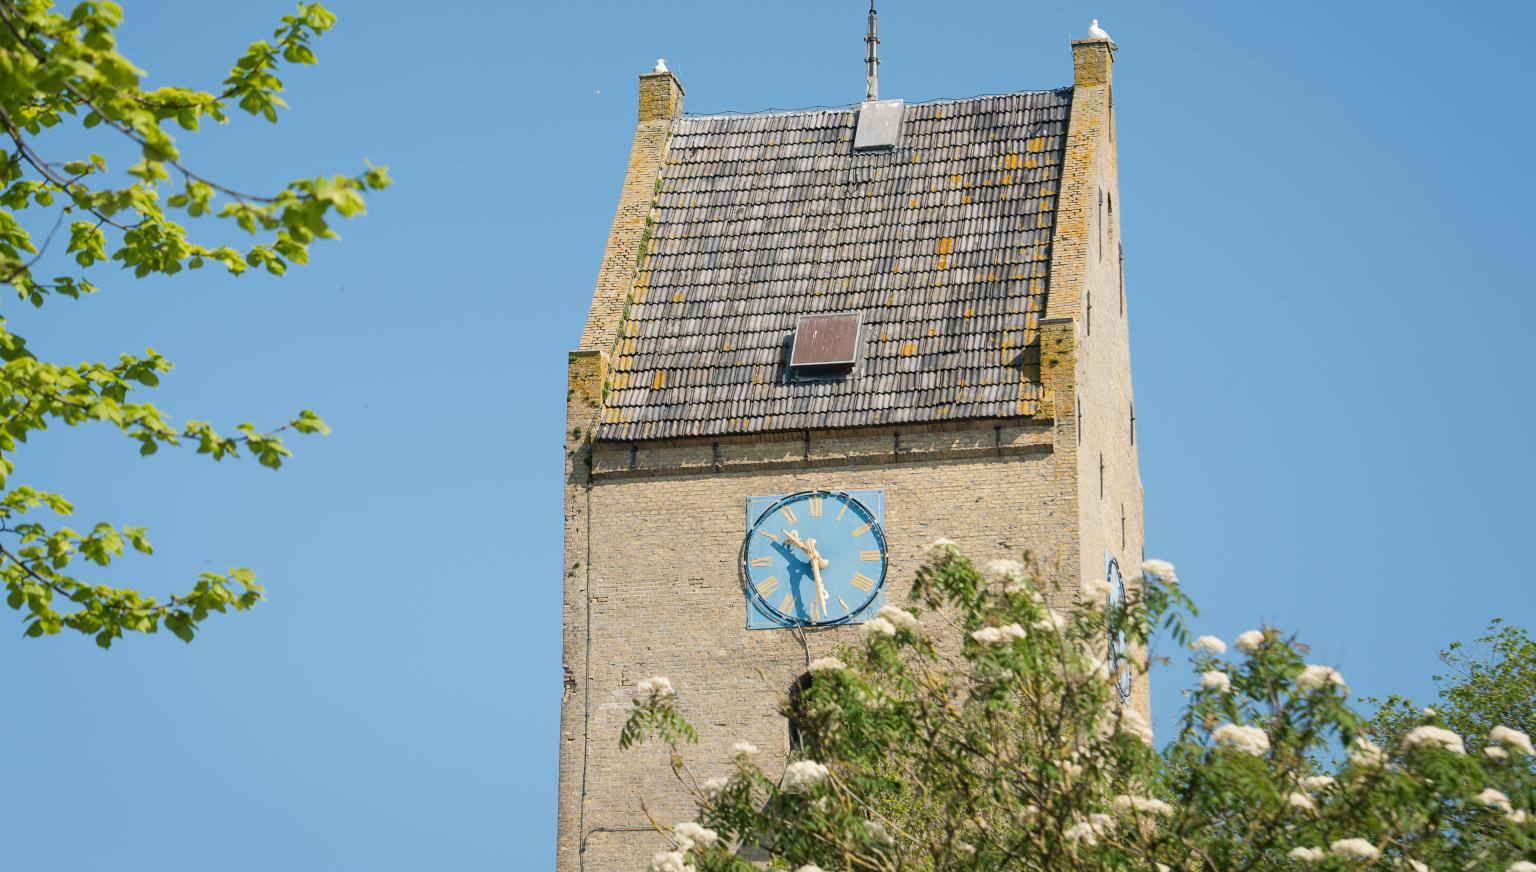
788	513
815	504
811	607
762	561
767	586
862	582
861	531
840	512
768	534
869	556
840	602
788	605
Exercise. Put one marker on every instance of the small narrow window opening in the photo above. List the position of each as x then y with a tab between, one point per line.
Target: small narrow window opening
1077	406
1101	224
1122	526
1122	279
1101	476
1133	422
1089	316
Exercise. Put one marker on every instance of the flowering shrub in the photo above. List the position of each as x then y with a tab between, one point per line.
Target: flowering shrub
983	731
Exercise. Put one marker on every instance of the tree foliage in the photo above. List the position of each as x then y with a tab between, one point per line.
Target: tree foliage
984	731
61	70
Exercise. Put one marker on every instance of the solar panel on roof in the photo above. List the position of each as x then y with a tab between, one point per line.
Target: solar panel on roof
879	124
826	340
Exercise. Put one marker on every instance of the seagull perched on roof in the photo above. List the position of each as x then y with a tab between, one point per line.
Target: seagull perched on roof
661	63
1097	32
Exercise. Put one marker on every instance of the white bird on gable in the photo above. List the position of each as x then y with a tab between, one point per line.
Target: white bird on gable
1097	32
661	63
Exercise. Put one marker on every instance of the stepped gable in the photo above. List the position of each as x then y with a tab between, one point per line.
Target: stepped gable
941	244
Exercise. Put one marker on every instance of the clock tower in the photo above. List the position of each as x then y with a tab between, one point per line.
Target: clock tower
820	340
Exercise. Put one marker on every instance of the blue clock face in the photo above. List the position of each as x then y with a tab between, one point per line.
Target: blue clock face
814	558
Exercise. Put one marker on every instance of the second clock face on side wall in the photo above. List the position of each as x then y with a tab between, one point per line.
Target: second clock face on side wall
814	558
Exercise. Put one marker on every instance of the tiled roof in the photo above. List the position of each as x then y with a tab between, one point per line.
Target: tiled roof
943	245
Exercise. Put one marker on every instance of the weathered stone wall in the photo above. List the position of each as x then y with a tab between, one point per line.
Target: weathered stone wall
1086	288
665	589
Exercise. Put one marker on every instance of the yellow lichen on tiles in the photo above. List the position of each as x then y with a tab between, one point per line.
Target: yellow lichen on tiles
677	297
912	203
965	199
963	382
970	312
946	244
991	276
942	263
1036	144
1031	164
1008	179
956	180
891	300
885	337
660	380
1010	161
729	346
916	157
909	349
933	331
896	269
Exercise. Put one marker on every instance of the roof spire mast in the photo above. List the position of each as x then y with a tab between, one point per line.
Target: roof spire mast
872	60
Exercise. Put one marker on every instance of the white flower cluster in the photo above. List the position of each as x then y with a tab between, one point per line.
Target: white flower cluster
827	664
1209	643
1054	622
1141	805
1303	854
1316	783
1434	736
687	834
998	635
1098	590
1162	570
811	867
879	626
656	685
802	775
1216	680
1367	754
1314	677
899	618
1088	831
1300	801
1249	641
941	547
746	748
1244	740
1412	865
1359	849
1132	724
713	786
1512	740
1495	799
1523	866
669	861
1004	570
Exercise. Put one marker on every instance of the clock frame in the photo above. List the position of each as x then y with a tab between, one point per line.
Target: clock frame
845	530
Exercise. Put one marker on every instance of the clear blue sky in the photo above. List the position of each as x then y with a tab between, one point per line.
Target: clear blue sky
1326	225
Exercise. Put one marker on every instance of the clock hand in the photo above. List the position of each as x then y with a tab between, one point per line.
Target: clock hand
817	564
814	558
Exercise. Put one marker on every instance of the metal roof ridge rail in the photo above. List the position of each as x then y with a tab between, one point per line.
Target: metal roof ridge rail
834	107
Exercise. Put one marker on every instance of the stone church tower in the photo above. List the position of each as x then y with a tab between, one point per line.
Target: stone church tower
911	314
